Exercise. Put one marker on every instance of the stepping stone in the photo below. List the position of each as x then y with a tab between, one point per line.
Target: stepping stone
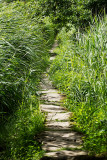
58	125
52	58
57	103
62	135
51	97
51	108
54	46
58	116
49	91
55	140
65	153
46	84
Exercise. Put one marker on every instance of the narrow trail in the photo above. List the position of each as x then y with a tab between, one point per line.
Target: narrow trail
59	141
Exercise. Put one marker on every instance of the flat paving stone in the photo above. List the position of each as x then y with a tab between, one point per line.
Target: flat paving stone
52	108
49	91
52	58
54	46
53	147
51	97
62	135
53	125
55	140
58	116
66	153
45	84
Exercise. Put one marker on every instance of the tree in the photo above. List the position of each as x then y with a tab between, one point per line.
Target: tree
62	12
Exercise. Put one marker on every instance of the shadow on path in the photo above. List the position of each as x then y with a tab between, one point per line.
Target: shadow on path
83	157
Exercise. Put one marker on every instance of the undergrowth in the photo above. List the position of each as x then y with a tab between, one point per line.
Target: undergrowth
25	40
80	72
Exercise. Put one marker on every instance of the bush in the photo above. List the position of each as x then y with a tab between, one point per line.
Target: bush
62	12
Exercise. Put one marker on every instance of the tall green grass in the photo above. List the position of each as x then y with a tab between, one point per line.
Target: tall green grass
80	71
25	40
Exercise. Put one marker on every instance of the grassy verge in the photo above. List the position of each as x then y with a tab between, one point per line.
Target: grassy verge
80	71
25	40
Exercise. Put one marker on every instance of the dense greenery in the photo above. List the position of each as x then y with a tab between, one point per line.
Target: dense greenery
24	43
76	12
80	71
63	12
97	6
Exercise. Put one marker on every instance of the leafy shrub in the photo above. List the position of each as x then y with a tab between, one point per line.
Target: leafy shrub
62	12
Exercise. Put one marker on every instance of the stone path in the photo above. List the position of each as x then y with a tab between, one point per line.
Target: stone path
59	141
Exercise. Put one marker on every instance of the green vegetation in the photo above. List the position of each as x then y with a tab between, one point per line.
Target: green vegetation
63	12
68	12
97	6
24	43
27	30
80	71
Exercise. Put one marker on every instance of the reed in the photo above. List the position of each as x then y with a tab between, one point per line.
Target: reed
23	58
80	71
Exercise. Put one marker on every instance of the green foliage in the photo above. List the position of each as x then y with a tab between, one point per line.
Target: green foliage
62	12
76	12
26	35
23	55
97	6
80	71
21	132
24	43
